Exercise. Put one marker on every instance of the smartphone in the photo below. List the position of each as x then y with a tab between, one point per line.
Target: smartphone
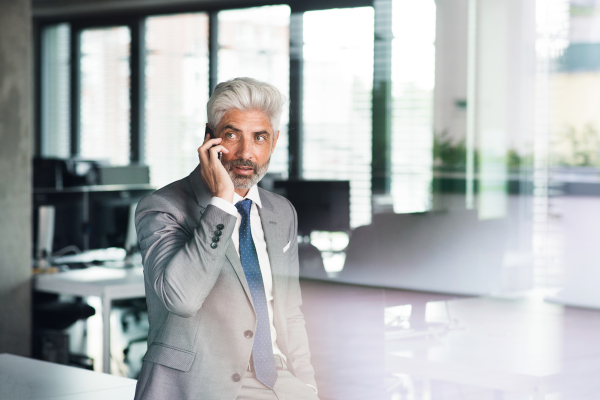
212	136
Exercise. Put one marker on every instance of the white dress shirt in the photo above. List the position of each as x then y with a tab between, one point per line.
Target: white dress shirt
258	236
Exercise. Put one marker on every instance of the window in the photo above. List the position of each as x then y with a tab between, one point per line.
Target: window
413	79
336	92
55	88
105	103
337	102
176	94
255	42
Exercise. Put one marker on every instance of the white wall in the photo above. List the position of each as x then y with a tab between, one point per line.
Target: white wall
450	67
505	67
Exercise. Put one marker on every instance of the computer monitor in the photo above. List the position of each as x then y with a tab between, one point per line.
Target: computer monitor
111	219
321	205
87	220
68	226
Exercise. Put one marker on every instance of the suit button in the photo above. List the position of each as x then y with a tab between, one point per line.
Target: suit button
236	377
220	226
248	334
215	239
213	245
218	233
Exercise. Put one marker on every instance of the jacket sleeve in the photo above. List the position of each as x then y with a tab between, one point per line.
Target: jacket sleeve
298	349
179	262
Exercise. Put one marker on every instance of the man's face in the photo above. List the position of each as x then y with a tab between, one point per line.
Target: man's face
250	140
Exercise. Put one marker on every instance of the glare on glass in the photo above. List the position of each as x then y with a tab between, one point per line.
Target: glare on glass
413	79
337	102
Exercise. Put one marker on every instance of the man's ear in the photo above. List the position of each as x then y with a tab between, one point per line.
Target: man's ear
274	142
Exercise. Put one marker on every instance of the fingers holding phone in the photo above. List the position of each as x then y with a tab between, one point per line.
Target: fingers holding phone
211	150
213	173
208	131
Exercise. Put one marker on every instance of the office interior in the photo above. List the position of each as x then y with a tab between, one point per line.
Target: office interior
443	156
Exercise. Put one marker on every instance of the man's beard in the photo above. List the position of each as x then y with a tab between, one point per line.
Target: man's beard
243	181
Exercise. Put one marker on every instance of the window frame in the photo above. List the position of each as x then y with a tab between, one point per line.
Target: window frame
134	19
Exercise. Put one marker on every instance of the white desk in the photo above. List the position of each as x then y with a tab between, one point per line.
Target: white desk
25	378
107	283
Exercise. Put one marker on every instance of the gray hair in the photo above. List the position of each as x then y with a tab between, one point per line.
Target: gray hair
245	94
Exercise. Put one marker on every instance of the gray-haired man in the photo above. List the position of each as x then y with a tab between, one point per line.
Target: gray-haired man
221	266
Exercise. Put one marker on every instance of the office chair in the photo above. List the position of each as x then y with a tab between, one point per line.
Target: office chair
311	262
50	318
134	308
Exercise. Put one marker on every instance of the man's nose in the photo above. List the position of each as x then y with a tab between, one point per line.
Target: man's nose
245	149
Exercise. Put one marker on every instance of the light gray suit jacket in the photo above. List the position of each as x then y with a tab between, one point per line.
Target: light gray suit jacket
199	303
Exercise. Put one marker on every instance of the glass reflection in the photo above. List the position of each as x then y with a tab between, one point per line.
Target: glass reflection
570	53
338	81
413	81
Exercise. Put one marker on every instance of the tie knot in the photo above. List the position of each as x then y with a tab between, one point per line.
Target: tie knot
244	207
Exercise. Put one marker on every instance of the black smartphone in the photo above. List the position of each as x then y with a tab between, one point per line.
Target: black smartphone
212	136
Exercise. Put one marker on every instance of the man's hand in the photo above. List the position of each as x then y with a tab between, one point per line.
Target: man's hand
214	174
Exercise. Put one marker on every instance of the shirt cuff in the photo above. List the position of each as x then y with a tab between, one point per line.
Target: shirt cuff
224	205
313	388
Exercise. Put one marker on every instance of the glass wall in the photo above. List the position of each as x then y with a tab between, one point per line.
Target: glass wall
568	60
105	102
176	94
491	122
447	114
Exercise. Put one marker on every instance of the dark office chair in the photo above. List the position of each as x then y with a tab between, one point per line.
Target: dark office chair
132	308
50	318
329	211
50	313
311	262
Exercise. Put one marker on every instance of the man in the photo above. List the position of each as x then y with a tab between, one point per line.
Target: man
224	326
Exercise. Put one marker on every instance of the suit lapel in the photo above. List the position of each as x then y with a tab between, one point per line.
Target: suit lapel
270	224
234	259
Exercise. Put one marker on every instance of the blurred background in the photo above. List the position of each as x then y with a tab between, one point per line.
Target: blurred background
436	151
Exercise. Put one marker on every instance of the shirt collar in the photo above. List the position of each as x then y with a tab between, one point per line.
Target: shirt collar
252	195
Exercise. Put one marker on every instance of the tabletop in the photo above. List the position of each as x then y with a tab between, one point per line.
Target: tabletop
95	281
26	378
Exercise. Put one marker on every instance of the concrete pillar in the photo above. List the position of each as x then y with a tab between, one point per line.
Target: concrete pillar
15	175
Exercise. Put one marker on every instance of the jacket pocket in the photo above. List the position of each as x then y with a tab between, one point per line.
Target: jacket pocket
171	357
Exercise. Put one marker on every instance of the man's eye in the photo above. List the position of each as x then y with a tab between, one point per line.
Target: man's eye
261	138
230	135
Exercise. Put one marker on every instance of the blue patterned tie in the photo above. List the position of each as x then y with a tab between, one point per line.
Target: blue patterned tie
262	349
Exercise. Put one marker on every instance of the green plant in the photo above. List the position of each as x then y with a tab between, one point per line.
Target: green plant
577	148
449	153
